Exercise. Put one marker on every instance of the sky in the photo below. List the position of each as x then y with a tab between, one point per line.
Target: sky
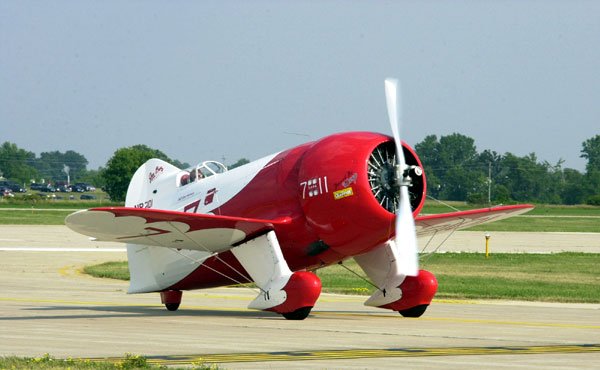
224	80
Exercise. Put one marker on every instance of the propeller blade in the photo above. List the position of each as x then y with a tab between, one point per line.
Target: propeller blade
395	116
406	238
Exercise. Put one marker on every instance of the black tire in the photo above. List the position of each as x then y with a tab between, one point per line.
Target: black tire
416	311
299	314
172	306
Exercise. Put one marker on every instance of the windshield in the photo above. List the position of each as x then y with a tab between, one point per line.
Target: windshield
205	169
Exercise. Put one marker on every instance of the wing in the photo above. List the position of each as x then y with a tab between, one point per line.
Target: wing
169	229
431	224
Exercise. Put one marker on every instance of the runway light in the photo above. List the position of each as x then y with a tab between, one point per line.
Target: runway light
487	244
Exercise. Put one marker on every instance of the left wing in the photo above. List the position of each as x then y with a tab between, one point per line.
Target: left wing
431	224
169	229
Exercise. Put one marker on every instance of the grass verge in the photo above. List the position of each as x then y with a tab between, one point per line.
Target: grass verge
560	277
33	217
575	224
129	361
544	218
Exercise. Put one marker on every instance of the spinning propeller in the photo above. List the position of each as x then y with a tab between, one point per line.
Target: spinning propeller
406	237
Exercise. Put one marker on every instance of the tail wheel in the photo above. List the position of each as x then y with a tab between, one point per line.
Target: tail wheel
299	314
416	311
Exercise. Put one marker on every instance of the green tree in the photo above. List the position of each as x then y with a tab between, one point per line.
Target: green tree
123	164
591	152
93	177
573	190
452	168
240	162
51	165
428	151
16	163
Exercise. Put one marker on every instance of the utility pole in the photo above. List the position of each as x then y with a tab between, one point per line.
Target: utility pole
66	170
490	183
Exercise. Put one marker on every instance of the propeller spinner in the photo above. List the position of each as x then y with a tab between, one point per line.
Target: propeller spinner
406	237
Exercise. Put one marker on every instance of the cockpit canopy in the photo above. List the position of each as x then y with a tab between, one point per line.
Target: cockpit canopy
202	170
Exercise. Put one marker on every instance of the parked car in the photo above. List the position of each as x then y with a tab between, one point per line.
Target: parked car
85	186
13	186
77	189
36	186
48	189
5	192
87	197
16	188
63	189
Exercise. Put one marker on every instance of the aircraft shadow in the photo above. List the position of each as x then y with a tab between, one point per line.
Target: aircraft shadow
133	311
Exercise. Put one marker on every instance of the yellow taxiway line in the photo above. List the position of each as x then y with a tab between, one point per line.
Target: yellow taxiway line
359	353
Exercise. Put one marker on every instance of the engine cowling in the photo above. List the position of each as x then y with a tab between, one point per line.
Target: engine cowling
349	193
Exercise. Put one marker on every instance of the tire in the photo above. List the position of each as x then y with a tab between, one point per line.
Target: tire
299	314
172	306
416	311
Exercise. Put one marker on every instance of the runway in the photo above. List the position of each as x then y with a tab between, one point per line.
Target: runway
48	306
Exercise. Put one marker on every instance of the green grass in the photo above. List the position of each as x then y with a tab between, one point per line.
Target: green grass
23	210
33	217
129	361
111	270
34	200
433	207
536	224
560	277
544	218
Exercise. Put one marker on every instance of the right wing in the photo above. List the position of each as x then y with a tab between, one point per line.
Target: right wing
431	224
169	229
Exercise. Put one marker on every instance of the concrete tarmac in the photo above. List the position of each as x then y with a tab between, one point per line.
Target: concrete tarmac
48	306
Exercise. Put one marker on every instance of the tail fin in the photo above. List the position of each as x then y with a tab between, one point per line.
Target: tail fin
143	191
154	185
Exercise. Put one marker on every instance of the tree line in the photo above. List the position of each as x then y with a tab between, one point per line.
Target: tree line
454	168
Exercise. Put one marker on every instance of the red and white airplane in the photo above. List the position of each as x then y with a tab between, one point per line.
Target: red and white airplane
273	221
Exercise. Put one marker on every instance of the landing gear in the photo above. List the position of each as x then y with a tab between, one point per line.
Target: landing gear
416	311
172	306
299	314
171	299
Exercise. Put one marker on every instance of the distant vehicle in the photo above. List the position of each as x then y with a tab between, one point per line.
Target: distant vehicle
16	188
77	189
48	189
36	186
63	189
6	192
87	197
85	186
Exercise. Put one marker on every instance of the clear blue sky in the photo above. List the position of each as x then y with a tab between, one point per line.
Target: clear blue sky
210	79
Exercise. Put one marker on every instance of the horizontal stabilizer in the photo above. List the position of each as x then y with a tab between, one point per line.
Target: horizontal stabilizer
431	224
169	229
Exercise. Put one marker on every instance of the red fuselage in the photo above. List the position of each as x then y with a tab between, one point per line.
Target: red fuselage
326	190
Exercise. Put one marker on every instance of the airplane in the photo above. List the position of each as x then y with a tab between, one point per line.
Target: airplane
276	220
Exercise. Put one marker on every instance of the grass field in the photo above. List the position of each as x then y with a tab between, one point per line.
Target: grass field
44	211
432	206
532	223
560	277
129	361
544	218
